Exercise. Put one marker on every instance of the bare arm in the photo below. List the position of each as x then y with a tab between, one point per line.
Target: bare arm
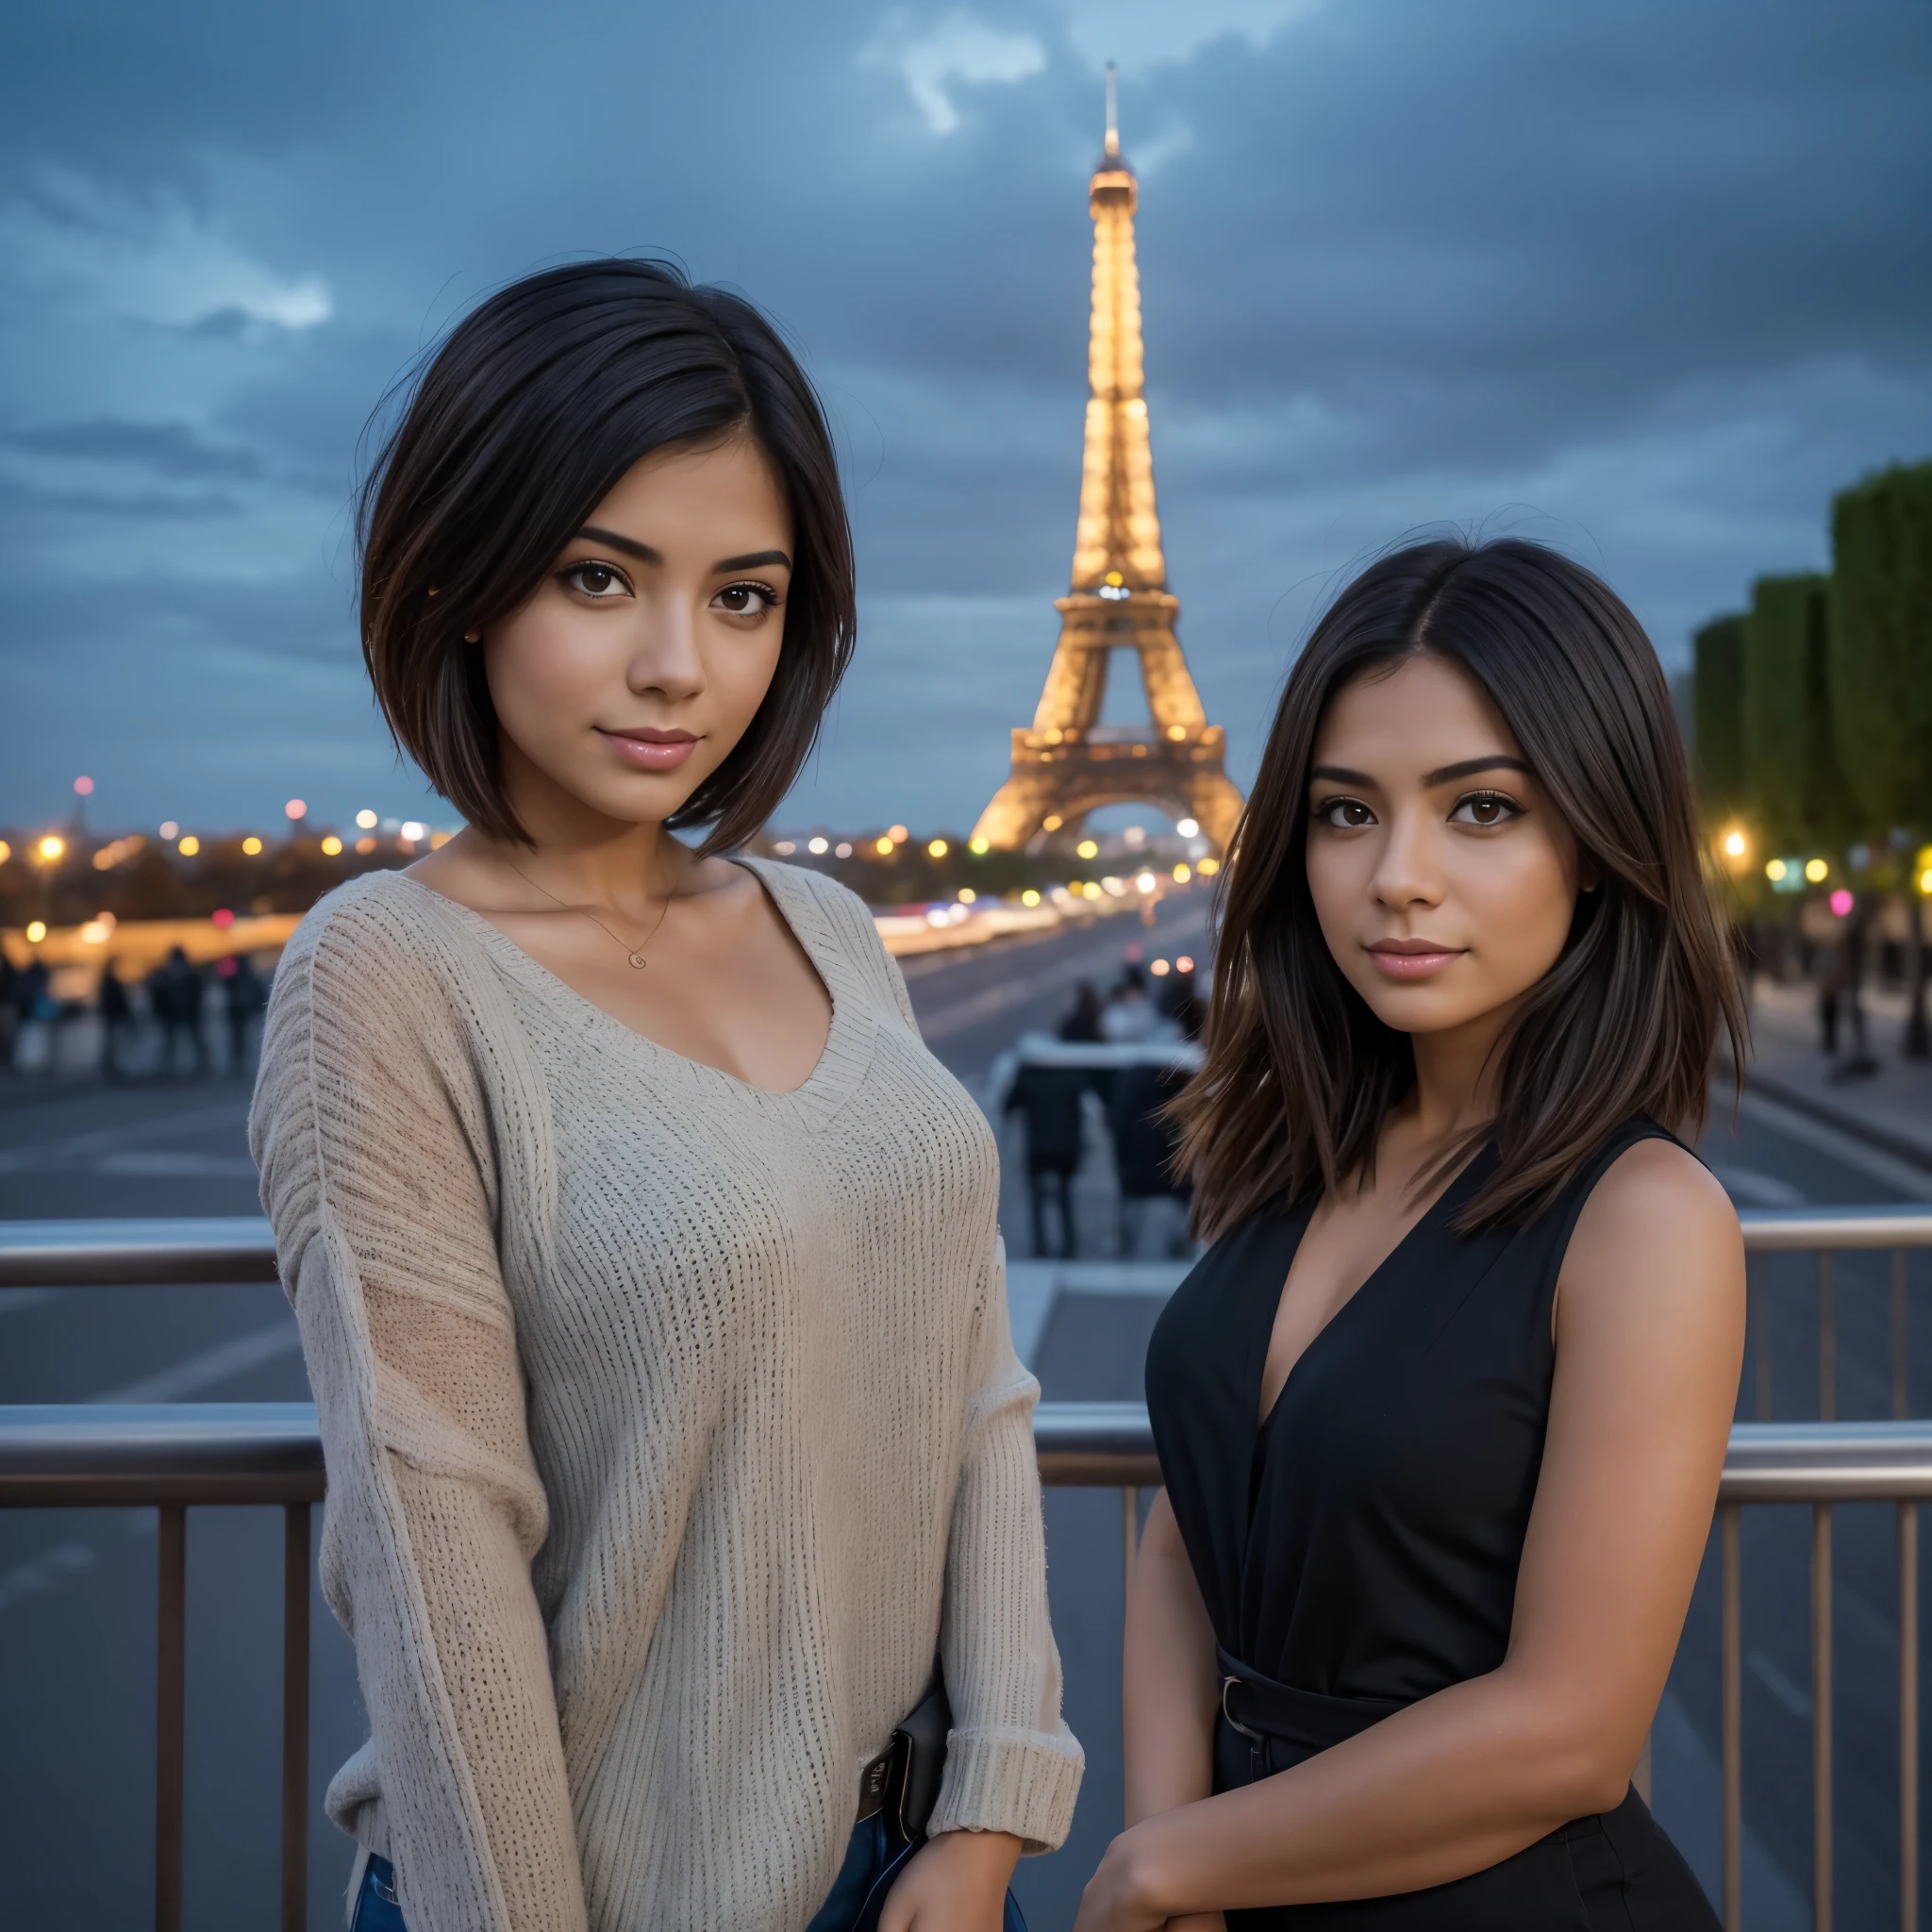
1168	1685
1650	1323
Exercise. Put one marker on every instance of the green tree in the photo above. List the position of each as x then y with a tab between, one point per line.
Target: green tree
1793	780
1881	664
1716	710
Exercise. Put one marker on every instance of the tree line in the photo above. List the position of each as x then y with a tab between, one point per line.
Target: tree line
1814	707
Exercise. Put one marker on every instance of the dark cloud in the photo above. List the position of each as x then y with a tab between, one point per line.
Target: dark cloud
1647	280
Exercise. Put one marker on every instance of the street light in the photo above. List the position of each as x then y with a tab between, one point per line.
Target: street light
1817	871
51	848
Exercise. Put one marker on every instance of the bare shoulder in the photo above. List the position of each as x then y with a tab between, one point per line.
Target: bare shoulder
1658	1234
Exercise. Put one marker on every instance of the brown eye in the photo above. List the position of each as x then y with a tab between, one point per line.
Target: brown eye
746	600
1346	814
601	581
1485	808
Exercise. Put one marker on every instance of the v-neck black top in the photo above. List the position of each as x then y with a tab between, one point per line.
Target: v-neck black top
1364	1540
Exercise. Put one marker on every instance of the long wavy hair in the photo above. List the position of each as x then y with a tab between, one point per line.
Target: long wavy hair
1301	1075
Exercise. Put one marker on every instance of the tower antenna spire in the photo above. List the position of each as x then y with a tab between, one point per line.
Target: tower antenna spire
1113	114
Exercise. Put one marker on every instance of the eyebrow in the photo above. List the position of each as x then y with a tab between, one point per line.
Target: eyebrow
1445	774
751	559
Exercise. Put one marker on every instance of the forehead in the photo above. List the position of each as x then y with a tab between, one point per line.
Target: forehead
1427	712
687	483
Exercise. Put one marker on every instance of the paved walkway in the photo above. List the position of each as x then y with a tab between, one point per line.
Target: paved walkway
1890	1108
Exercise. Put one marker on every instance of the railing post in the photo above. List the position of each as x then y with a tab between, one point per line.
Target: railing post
294	1717
171	1685
1828	1339
1909	1717
1821	1716
1901	1340
1733	1725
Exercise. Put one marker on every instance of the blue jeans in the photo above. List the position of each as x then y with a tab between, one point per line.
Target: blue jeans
866	1856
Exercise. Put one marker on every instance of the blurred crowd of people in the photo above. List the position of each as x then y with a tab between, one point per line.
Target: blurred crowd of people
179	1021
1055	1095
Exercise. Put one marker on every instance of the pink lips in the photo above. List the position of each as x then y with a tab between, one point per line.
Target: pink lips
645	749
1412	958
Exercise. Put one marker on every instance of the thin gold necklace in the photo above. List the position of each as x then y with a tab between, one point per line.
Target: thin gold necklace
636	957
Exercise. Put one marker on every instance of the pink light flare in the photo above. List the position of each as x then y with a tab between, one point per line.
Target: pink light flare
222	919
82	787
295	809
1841	903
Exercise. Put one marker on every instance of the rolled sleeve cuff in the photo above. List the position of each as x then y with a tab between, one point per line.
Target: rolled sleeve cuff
1024	1782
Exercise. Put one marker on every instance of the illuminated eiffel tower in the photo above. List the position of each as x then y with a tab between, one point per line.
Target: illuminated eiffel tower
1067	763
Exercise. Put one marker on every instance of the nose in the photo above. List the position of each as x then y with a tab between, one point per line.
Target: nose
667	660
1408	872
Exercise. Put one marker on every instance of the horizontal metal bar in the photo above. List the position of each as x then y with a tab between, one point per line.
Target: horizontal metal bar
136	1254
1779	1230
115	1253
270	1452
167	1452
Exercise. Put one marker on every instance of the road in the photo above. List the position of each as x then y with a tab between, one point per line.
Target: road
76	1588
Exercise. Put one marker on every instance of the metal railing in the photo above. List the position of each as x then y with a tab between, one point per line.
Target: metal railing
171	1456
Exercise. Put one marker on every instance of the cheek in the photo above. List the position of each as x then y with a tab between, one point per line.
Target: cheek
738	671
1526	903
540	672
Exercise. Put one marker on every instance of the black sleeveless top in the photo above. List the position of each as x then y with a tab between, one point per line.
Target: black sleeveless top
1361	1545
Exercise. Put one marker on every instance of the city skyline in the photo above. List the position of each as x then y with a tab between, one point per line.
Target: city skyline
1647	286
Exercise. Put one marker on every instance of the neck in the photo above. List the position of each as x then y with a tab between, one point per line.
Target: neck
583	856
1455	1076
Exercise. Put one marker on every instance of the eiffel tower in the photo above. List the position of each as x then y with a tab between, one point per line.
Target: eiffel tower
1067	763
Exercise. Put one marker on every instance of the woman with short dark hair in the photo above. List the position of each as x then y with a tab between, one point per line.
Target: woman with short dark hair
1441	1410
646	1262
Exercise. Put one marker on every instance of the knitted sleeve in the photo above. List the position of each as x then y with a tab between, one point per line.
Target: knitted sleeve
1011	1764
379	1177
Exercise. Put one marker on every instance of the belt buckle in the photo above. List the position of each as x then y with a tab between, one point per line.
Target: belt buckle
875	1781
1228	1684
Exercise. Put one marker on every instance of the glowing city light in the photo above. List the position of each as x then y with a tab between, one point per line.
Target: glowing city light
818	847
366	844
967	895
1176	732
784	848
439	840
1143	881
1029	897
295	809
1184	964
897	834
6	851
252	845
979	847
1090	891
1209	867
222	918
1052	822
189	846
366	819
169	829
1842	904
1158	969
331	846
413	830
1925	881
1182	874
841	850
95	933
937	848
1775	869
50	848
883	847
1087	849
83	786
1735	844
36	931
1817	871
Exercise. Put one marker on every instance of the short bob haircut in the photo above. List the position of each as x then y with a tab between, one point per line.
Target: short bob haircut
1300	1073
535	406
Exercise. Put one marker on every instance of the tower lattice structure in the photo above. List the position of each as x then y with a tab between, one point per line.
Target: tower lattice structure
1066	763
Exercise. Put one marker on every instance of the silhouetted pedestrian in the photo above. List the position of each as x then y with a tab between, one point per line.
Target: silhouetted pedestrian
245	996
1048	1099
1128	1014
174	991
117	1020
1082	1021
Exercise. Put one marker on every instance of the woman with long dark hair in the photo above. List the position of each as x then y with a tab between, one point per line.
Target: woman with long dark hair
1441	1410
645	1261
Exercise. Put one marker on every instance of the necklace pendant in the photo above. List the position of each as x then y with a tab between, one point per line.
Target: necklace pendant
638	960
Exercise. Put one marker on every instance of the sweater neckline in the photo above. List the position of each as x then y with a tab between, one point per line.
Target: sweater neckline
841	1060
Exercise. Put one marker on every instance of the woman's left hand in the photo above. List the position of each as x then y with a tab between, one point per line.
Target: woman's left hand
955	1882
1114	1900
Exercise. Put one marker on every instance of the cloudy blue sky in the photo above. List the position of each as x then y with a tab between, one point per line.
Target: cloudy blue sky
1646	279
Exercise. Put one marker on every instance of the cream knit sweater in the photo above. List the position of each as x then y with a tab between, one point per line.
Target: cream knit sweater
671	1424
